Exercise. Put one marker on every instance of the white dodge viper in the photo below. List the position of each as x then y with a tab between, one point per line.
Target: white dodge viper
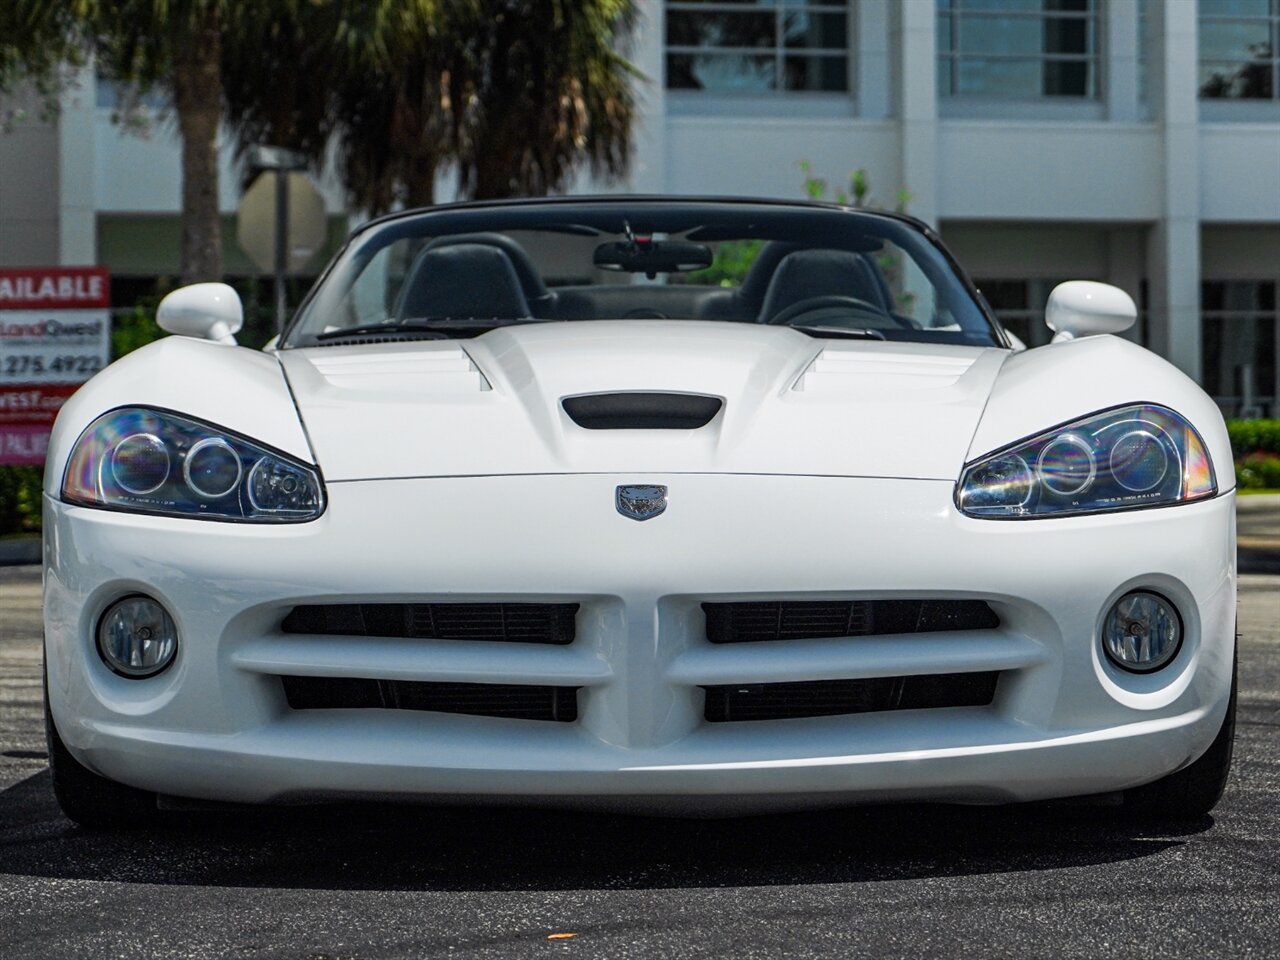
655	505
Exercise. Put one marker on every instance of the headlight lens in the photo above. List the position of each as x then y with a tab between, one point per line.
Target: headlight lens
159	462
1136	456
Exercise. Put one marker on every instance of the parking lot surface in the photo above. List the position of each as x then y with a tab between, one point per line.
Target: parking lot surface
1047	880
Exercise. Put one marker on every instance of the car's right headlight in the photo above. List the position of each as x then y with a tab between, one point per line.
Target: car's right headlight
155	461
1122	459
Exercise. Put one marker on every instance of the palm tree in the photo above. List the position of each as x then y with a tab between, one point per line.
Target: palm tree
514	95
543	88
174	45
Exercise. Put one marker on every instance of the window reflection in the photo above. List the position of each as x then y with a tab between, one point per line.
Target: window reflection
1017	49
1238	343
1239	49
757	45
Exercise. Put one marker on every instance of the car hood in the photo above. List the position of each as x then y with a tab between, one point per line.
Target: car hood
493	405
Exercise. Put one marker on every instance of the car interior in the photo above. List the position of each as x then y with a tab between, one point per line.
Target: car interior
490	275
464	272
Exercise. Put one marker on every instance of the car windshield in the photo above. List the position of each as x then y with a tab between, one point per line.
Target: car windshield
461	271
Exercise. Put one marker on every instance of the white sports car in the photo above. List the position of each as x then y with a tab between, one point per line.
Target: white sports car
674	505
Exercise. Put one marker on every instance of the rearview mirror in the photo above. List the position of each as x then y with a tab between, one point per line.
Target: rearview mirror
1083	308
652	257
207	311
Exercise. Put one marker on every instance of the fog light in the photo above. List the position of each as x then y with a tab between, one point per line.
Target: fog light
137	638
1142	632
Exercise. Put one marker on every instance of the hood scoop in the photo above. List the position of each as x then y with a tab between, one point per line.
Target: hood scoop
642	411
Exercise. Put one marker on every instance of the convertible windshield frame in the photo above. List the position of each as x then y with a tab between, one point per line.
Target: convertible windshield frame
610	216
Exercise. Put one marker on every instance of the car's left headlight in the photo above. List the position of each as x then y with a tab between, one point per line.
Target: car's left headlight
154	461
1129	457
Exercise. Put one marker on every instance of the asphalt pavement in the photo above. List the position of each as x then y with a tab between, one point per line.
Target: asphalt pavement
1042	880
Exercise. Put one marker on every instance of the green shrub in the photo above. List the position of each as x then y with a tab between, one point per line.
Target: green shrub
1258	471
1254	436
729	268
133	327
20	499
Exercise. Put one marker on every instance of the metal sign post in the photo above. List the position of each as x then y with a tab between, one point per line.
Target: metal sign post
281	161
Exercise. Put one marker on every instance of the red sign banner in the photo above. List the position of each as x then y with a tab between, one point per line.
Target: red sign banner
54	288
55	333
36	403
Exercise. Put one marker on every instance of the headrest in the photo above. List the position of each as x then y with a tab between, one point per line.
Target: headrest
530	279
805	274
465	280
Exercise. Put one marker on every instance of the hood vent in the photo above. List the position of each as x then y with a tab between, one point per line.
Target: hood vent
642	411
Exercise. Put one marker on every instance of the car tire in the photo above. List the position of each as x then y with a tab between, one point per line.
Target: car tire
93	802
1194	790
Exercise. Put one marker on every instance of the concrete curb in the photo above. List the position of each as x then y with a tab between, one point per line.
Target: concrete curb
20	551
1259	503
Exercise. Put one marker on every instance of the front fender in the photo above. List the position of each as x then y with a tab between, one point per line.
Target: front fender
1041	388
234	387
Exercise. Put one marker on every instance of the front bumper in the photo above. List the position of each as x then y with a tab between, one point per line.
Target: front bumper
217	726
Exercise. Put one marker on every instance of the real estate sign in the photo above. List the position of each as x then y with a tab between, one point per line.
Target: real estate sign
55	333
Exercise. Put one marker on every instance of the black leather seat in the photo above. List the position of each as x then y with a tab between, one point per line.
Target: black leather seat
806	274
462	281
540	299
744	302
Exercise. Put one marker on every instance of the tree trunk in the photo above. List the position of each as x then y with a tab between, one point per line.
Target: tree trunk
420	182
197	98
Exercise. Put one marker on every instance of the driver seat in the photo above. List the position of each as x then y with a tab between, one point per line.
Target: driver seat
806	274
462	281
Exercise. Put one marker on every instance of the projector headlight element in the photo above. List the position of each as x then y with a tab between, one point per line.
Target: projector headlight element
1135	456
154	461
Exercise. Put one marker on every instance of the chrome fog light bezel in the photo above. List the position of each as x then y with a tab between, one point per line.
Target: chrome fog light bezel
167	641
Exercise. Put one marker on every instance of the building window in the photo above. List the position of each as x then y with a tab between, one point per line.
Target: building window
1018	49
751	46
1240	49
1238	334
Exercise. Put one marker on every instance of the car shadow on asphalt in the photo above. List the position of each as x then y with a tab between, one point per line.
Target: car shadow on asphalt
370	847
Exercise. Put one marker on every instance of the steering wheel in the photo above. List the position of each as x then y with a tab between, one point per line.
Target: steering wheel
832	305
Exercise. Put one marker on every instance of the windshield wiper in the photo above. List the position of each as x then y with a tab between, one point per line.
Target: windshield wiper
423	328
384	330
837	333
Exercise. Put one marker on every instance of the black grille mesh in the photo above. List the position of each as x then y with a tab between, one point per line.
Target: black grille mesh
828	698
515	701
754	620
510	622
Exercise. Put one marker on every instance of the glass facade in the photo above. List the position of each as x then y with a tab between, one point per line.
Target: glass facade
1018	49
756	46
1239	49
1238	342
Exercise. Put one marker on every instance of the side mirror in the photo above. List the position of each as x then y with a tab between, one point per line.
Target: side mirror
208	311
1082	308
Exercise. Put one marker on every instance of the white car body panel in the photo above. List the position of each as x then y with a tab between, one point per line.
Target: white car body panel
242	390
215	726
452	474
1047	386
789	396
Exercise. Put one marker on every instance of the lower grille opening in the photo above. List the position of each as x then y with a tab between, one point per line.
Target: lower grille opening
514	701
508	622
754	620
829	698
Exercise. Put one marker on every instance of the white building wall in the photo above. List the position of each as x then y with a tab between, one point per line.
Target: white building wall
1145	184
